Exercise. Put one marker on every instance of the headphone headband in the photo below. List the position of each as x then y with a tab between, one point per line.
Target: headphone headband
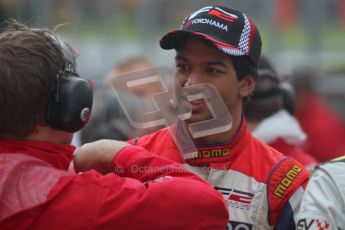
69	65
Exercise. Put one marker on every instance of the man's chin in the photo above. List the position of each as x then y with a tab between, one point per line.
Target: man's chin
197	117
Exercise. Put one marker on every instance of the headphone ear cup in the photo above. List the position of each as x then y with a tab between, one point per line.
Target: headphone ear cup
69	107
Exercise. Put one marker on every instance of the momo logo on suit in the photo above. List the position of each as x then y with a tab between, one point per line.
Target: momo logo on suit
287	181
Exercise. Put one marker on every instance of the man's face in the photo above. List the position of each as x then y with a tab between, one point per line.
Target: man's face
198	63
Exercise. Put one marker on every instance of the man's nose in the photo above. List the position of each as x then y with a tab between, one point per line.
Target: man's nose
193	78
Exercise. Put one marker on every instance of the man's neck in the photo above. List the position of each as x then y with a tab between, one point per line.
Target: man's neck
45	133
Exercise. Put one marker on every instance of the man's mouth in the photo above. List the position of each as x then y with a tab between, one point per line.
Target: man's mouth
196	102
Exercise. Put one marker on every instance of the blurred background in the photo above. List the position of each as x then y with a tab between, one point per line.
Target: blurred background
294	32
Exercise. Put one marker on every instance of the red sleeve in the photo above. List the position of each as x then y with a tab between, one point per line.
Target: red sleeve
286	184
166	197
136	162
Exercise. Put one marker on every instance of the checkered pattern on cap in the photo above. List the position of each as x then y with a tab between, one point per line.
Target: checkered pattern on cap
228	29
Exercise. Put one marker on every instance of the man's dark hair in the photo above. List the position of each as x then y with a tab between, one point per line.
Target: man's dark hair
28	69
243	66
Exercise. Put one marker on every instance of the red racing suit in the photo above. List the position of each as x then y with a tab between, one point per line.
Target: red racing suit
37	192
261	186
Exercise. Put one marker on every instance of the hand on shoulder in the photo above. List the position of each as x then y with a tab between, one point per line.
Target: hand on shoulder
97	155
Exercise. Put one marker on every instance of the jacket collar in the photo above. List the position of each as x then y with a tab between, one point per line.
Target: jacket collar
57	155
217	155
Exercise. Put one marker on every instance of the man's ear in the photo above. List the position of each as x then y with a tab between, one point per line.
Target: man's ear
247	86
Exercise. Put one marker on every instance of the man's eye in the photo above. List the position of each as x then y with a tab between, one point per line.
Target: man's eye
213	70
181	67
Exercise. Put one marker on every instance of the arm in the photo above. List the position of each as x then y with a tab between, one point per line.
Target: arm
286	218
285	190
136	162
155	192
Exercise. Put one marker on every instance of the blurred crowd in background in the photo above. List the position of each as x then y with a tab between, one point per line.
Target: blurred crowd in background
294	32
304	39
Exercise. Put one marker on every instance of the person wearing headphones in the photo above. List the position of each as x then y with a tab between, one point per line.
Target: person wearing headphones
43	101
270	118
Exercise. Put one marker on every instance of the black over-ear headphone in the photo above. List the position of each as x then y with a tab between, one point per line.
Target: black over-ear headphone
70	102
